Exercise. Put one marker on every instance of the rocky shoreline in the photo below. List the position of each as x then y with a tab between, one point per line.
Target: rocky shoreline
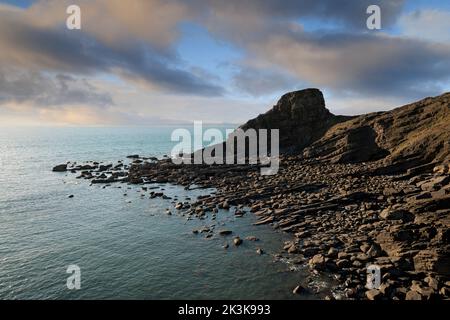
342	218
353	191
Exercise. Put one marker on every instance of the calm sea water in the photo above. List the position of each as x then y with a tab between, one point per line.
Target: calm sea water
125	245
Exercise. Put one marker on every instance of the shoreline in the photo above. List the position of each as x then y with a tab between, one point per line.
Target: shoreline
341	216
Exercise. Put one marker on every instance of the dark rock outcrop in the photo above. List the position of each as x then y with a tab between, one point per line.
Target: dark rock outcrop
415	136
60	168
301	117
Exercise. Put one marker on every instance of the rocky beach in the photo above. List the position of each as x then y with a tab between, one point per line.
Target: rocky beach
353	191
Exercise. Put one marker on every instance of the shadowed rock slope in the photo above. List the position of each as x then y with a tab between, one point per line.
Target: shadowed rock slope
405	137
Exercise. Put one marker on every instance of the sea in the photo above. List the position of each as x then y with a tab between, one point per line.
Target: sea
123	243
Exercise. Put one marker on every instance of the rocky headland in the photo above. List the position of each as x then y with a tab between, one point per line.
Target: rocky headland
353	191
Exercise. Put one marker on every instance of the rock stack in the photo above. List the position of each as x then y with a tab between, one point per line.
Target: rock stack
301	117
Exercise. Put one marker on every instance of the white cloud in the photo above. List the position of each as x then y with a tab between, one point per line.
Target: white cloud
432	25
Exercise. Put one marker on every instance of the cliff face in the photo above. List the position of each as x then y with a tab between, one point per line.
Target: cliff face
406	137
301	117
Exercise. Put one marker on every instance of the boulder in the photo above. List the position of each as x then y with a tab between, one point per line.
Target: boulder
435	183
104	167
237	241
396	214
317	262
373	294
442	169
432	260
374	251
343	263
299	290
225	205
60	168
413	295
179	206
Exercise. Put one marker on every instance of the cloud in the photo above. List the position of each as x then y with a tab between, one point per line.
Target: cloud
432	25
349	59
363	63
45	65
142	108
263	82
344	104
112	21
244	19
42	90
32	46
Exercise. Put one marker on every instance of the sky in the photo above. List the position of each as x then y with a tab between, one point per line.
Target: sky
157	62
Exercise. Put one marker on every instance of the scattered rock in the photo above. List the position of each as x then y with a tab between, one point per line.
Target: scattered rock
394	214
237	241
435	183
225	205
179	206
317	262
343	263
373	294
413	295
299	290
432	282
332	253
